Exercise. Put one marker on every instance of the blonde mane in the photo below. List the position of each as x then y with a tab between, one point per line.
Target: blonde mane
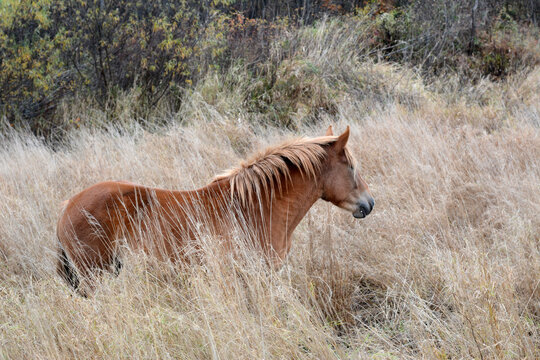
267	170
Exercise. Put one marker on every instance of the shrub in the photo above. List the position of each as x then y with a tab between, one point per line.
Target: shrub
96	47
435	36
54	51
32	74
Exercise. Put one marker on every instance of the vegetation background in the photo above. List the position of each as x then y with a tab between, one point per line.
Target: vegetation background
443	99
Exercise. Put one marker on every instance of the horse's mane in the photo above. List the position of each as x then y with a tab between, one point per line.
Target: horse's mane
270	170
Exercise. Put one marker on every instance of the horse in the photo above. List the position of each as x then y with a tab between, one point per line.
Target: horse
267	195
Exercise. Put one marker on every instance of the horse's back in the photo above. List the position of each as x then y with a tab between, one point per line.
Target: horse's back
95	200
157	221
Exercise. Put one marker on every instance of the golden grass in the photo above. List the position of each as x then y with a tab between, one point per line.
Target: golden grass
446	266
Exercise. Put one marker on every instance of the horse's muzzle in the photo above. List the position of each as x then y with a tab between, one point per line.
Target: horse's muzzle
364	207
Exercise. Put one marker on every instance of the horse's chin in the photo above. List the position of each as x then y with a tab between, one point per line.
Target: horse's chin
359	214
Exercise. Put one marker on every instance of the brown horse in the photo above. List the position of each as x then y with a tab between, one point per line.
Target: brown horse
267	196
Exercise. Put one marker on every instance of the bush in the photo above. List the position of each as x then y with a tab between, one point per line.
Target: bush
436	35
95	47
54	51
32	74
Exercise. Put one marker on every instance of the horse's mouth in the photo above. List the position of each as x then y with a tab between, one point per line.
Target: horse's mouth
359	214
363	209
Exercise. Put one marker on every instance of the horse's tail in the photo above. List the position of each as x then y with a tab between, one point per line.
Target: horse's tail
66	270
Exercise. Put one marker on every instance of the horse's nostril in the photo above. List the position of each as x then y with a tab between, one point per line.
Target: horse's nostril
365	208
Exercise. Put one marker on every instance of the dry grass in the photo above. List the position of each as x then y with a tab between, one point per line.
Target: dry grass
446	266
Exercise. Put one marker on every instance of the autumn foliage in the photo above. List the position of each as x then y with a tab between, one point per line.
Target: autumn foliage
54	51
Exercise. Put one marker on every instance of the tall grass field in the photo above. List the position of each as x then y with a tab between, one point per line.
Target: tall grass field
447	265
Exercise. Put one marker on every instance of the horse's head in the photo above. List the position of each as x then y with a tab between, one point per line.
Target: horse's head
342	184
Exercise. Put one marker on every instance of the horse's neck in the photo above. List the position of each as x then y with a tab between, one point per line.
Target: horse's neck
288	209
272	221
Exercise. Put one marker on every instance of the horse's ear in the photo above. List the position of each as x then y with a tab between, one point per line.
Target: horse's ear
342	140
329	131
